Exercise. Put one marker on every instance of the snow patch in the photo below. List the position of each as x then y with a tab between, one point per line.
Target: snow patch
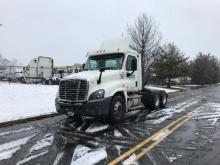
164	114
31	158
80	151
213	121
160	88
59	156
212	115
43	143
90	157
174	157
95	127
132	160
119	148
117	133
8	149
16	131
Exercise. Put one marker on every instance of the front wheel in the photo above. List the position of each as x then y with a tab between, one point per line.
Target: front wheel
117	108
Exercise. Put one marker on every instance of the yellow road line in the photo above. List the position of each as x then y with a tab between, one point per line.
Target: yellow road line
157	142
141	144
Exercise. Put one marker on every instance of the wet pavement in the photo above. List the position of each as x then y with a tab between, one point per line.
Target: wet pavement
62	141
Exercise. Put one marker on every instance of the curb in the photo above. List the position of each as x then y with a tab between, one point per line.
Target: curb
29	119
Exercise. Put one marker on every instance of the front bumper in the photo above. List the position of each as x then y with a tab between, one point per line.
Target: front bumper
99	109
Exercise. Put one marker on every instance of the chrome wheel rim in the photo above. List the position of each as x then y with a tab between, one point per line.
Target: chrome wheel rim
117	107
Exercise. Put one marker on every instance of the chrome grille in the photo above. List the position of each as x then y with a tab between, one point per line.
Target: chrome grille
73	90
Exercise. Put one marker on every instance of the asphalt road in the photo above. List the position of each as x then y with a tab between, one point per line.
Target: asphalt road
186	132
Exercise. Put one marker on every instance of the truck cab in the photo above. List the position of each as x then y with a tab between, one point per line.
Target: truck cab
109	86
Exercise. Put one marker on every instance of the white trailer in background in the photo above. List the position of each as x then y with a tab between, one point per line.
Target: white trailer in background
40	69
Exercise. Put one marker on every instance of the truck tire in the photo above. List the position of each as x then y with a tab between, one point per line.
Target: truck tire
44	81
155	101
163	100
117	108
22	80
50	82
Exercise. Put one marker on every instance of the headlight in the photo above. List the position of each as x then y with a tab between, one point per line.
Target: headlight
99	94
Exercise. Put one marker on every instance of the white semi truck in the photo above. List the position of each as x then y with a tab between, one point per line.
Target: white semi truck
42	70
39	69
109	86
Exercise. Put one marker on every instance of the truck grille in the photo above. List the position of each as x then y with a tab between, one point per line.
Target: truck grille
73	90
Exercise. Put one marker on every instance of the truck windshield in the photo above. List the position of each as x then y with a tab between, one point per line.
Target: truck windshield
109	62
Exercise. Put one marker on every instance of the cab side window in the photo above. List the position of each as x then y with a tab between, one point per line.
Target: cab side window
128	63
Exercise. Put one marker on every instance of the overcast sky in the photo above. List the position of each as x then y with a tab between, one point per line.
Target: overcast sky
66	29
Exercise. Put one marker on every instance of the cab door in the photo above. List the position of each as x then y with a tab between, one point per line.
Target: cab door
132	76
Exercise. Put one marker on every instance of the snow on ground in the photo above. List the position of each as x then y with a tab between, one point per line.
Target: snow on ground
192	85
160	88
43	143
58	158
25	100
131	160
8	149
95	127
31	158
210	112
164	114
16	131
117	133
86	156
174	157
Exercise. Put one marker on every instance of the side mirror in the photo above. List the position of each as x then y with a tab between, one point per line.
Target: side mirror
134	64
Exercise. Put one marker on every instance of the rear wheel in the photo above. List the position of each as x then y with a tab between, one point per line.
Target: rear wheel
163	100
117	108
155	101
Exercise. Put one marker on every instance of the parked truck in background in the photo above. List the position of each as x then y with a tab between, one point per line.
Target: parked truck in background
42	70
109	86
38	70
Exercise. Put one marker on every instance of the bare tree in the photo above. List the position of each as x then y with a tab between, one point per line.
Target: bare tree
145	40
14	62
3	62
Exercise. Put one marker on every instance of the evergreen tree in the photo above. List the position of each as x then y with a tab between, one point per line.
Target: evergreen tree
170	63
205	69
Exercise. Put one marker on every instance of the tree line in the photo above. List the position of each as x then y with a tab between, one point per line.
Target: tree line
4	62
164	62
